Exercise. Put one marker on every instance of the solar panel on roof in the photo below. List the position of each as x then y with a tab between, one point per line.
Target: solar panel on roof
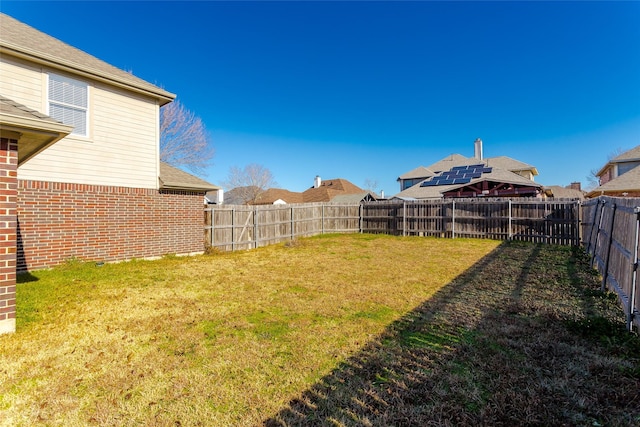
461	181
457	175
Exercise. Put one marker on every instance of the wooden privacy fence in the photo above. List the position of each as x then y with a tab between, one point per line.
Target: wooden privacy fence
611	228
232	227
547	221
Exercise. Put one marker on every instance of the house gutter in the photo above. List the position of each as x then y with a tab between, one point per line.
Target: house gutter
44	132
112	79
186	186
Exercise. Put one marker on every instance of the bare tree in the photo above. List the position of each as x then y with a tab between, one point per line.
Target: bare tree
184	140
370	185
248	183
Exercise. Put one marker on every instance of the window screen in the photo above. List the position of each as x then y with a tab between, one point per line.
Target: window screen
68	102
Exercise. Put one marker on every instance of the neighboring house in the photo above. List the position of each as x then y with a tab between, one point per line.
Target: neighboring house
331	190
460	176
573	191
278	196
620	176
177	179
81	175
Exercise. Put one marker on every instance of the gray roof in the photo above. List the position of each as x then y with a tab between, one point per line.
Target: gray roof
560	192
507	163
633	154
419	172
35	131
453	160
628	156
172	178
629	181
20	40
502	162
435	192
9	106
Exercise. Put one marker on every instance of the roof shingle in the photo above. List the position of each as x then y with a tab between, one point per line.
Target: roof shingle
21	40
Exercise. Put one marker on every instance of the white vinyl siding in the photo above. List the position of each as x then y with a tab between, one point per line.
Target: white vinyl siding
123	148
69	102
22	83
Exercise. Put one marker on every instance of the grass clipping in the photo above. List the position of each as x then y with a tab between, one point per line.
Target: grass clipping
332	330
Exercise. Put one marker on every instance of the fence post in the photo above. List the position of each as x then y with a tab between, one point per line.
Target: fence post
360	217
255	227
593	241
233	229
322	220
598	228
578	230
212	225
634	272
404	218
453	219
293	225
510	232
605	273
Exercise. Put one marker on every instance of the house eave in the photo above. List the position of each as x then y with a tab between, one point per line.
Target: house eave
610	163
33	135
187	187
20	52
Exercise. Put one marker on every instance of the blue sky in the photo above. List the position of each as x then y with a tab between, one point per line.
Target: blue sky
371	90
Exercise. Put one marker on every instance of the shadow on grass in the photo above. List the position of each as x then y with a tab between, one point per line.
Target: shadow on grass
490	348
26	278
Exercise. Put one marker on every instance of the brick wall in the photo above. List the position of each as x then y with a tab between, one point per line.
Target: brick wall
59	221
8	191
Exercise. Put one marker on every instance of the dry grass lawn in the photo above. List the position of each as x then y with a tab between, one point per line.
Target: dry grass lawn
331	330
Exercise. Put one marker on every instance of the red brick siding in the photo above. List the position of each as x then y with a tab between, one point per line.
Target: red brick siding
606	176
59	221
8	193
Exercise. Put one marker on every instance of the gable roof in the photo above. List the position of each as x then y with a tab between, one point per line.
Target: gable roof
328	189
20	40
629	181
419	172
453	160
495	175
172	178
560	192
272	195
628	156
507	163
450	161
35	131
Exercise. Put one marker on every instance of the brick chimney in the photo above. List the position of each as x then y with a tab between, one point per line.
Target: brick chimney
575	186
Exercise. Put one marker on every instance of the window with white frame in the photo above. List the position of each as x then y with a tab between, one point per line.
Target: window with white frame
68	103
